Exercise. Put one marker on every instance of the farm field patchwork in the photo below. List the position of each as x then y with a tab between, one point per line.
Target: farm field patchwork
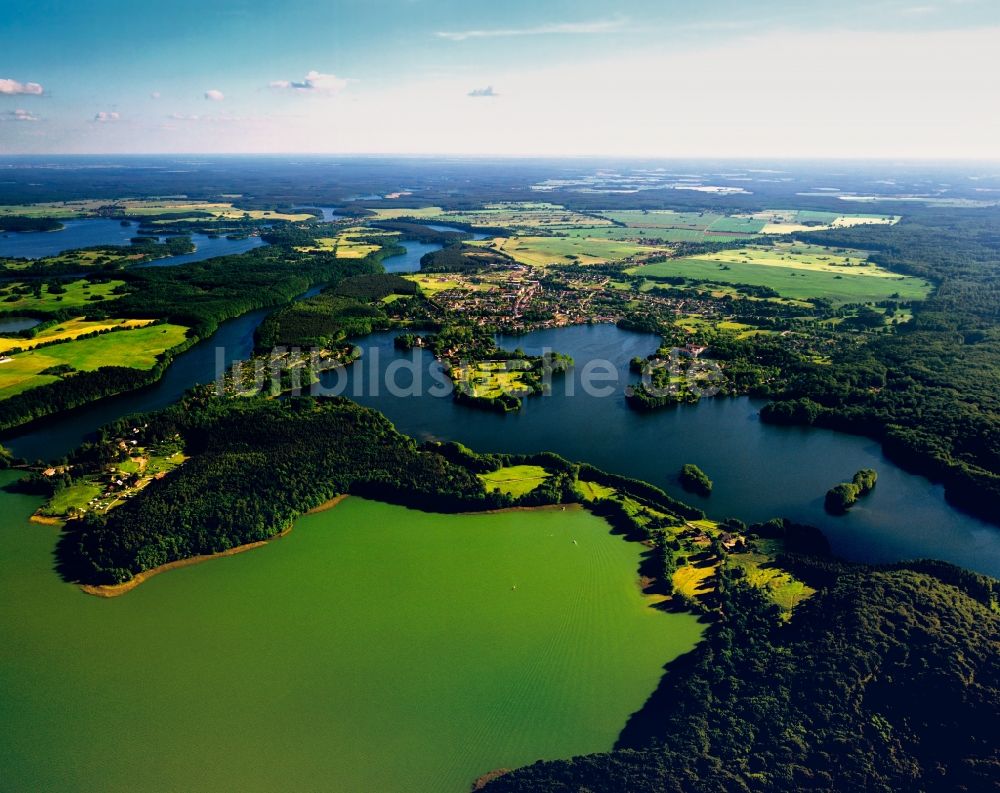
138	348
543	251
71	329
350	243
523	215
141	208
796	271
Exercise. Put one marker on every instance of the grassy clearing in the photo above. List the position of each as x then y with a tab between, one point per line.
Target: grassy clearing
516	480
693	580
786	591
138	348
70	329
591	491
491	379
797	271
78	294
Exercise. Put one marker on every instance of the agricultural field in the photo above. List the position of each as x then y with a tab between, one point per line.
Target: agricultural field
787	221
138	348
430	284
349	243
520	215
515	480
796	271
16	297
143	208
545	251
708	226
71	329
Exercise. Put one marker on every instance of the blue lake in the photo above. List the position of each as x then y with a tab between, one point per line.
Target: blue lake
105	231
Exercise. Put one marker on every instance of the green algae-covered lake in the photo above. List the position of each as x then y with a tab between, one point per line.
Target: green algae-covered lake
374	648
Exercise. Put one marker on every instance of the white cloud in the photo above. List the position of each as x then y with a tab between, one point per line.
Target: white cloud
314	82
106	116
19	115
214	95
563	28
9	87
480	92
154	95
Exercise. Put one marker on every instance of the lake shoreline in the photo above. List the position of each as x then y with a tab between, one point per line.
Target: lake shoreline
117	590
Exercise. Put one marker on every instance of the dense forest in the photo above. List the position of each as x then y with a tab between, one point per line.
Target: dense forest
21	223
886	680
256	465
348	308
462	258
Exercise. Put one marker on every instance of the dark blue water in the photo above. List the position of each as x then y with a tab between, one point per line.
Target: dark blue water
105	231
14	324
475	235
74	234
207	248
329	213
759	470
409	262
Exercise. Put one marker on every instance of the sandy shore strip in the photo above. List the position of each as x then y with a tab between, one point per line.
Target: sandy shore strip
116	590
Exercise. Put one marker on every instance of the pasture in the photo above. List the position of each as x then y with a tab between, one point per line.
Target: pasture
796	271
545	251
16	297
590	491
71	329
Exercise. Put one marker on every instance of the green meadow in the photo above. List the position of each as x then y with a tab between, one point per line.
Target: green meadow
374	648
138	348
515	480
543	251
78	293
798	272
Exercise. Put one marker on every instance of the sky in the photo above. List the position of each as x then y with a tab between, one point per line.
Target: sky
644	78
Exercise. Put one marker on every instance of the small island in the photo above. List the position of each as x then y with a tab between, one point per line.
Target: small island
694	480
842	497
